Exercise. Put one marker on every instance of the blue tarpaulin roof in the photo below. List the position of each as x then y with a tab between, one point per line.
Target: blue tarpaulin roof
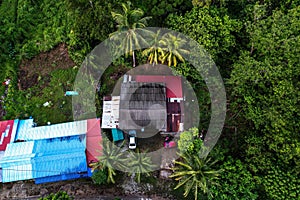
117	134
44	158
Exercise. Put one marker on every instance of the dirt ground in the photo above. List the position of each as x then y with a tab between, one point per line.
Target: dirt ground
41	65
78	189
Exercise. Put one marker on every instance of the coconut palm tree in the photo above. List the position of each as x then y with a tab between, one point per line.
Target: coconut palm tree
155	49
140	163
129	23
195	173
112	158
173	48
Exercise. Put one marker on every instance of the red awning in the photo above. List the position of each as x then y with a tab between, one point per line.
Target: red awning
93	140
173	84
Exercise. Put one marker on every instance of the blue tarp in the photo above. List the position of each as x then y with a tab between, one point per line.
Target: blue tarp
71	93
117	134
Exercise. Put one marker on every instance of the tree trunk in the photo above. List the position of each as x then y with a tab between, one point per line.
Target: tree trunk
133	58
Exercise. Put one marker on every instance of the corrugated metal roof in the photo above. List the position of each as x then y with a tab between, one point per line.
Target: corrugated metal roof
59	145
16	163
1	155
6	130
142	105
58	164
18	149
27	132
93	140
60	177
23	171
40	158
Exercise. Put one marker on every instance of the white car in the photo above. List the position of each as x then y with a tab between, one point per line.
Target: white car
132	139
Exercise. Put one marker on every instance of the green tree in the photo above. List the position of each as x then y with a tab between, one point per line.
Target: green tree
155	50
140	164
265	83
131	21
189	141
235	182
173	48
110	159
195	174
212	28
159	10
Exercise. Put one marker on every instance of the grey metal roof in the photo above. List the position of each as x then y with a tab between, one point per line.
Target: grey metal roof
142	105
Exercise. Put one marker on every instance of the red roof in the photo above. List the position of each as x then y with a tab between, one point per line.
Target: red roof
173	84
6	128
93	140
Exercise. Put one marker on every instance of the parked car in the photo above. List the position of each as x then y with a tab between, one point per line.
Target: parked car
132	139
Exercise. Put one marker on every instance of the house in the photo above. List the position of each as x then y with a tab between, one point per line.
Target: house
51	153
153	102
143	106
174	99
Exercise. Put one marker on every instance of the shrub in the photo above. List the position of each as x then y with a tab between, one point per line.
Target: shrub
99	177
61	195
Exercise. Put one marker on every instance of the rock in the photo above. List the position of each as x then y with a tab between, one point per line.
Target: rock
68	188
44	192
80	192
164	174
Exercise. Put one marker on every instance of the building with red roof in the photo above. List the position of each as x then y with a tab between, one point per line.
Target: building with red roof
6	133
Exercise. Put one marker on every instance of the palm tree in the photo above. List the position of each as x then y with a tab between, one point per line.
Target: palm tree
112	158
130	22
173	45
155	50
140	163
195	173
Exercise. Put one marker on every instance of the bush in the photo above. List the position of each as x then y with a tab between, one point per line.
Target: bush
61	195
99	177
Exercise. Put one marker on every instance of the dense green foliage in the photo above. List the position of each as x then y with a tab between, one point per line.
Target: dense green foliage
212	28
61	195
266	82
255	45
100	177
